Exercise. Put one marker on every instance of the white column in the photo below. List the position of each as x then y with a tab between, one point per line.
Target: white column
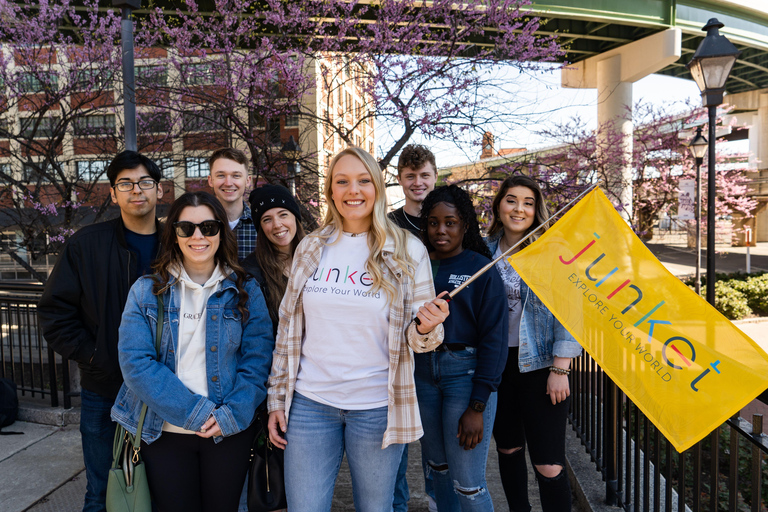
614	117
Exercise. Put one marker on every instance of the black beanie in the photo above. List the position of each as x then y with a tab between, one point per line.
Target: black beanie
271	196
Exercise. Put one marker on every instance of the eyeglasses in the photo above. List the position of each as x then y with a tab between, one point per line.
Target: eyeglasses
185	229
127	186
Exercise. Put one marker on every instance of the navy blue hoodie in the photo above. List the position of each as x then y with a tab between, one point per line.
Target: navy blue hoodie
479	316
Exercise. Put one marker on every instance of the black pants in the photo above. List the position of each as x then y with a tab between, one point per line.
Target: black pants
525	416
188	473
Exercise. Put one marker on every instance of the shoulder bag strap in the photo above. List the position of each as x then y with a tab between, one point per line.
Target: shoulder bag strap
160	319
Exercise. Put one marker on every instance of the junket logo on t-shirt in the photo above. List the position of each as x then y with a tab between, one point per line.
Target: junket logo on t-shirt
351	280
458	279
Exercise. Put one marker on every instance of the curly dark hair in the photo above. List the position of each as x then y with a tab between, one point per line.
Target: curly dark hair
414	156
170	253
457	197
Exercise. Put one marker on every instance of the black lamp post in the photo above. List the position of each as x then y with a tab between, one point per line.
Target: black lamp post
698	147
292	153
710	67
129	81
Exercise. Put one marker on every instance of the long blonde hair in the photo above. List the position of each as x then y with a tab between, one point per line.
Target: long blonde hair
382	228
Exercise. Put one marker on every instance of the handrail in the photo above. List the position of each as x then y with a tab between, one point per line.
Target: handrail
25	357
641	469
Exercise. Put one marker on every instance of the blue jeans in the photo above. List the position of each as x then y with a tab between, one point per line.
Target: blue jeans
97	431
400	503
443	387
318	435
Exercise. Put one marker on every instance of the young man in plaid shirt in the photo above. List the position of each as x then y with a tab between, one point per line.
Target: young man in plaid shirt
230	179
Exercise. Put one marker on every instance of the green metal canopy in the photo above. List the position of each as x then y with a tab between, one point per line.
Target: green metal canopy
591	27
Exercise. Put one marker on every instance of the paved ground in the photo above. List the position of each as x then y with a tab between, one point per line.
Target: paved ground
681	261
42	471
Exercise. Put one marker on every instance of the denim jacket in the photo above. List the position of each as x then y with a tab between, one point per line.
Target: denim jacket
239	356
542	336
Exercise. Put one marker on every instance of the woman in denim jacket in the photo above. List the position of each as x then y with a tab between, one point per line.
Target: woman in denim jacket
203	387
533	397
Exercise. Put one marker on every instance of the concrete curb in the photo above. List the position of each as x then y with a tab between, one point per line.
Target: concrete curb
34	412
586	481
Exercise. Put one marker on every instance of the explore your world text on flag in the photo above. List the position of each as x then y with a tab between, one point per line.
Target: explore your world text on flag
683	363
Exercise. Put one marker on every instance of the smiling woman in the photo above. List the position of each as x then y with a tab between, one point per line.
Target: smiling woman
277	218
208	375
342	377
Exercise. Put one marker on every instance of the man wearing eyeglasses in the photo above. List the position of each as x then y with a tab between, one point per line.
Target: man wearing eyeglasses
83	302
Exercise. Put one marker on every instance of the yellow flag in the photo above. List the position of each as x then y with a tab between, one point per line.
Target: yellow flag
684	364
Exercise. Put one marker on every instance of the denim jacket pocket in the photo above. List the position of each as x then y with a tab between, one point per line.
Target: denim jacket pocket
234	326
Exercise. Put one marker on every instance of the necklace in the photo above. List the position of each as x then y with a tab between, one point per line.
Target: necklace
405	214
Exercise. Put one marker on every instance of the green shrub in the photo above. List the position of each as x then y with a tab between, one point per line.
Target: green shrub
757	294
730	301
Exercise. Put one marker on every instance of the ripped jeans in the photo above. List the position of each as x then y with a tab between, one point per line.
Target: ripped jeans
443	387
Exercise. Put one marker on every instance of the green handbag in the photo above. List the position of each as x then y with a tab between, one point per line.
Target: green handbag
127	485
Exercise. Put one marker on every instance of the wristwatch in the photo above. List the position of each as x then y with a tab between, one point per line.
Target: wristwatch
477	405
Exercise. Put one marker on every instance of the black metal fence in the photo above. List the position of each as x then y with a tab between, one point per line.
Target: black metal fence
24	355
642	471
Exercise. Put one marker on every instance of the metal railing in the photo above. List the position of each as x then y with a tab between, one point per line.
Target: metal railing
641	469
25	357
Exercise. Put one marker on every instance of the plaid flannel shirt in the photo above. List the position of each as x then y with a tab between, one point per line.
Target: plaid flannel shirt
403	419
245	231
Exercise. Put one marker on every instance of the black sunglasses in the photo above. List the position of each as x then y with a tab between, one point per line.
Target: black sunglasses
185	229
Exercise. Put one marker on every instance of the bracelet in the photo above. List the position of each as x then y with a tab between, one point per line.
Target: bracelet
560	371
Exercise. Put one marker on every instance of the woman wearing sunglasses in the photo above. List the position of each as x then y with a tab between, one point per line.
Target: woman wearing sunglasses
204	383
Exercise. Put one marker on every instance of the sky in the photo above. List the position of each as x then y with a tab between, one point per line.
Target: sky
541	92
544	93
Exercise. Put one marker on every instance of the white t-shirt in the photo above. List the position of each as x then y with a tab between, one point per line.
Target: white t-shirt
344	355
512	284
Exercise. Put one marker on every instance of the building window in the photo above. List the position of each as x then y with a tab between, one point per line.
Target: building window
203	121
38	126
154	122
91	170
90	126
200	73
166	167
151	76
292	119
257	120
273	131
34	173
197	167
6	174
5	128
92	79
39	82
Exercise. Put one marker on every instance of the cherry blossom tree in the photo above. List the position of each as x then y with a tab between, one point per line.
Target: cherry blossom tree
56	103
660	160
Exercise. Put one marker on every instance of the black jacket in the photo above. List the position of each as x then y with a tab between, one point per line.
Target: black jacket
83	302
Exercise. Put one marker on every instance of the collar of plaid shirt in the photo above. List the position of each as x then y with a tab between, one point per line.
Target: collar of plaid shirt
245	231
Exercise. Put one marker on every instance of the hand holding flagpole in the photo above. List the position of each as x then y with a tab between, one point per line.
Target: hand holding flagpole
509	251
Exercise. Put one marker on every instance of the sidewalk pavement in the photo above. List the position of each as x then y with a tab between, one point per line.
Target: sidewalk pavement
42	471
681	261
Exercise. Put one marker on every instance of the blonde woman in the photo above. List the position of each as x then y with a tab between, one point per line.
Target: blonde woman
342	374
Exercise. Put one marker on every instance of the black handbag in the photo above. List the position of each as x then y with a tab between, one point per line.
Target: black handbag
266	484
